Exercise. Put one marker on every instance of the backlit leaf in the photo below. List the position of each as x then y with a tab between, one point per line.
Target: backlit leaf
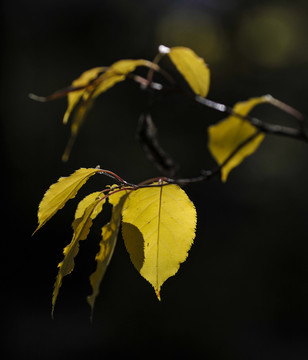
59	193
96	81
228	135
74	96
158	230
192	68
107	244
87	210
79	115
116	73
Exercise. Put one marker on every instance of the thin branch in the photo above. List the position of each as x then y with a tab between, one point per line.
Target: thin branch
272	129
151	71
147	136
207	174
65	91
147	133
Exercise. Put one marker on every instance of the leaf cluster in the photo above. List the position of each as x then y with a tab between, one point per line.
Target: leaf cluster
158	226
157	218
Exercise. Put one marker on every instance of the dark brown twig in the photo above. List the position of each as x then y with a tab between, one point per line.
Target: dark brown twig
147	136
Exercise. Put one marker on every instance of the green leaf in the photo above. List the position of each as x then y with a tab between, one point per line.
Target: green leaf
59	193
229	134
158	230
86	212
192	68
107	244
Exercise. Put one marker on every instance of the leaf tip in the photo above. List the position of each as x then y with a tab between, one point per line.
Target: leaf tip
35	231
65	157
90	301
53	307
65	117
157	291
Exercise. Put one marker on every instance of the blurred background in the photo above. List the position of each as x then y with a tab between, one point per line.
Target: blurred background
243	291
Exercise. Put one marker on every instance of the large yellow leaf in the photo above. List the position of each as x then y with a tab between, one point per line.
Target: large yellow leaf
158	229
59	193
116	73
107	244
87	210
229	134
84	80
192	68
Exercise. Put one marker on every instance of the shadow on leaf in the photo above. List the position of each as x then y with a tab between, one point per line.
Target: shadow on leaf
134	243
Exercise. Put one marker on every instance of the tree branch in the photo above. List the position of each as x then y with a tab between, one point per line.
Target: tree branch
147	136
299	134
207	174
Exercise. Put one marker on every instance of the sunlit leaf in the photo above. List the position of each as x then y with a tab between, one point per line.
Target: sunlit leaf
59	193
116	73
86	212
229	134
96	81
79	115
107	244
106	78
192	68
74	96
158	230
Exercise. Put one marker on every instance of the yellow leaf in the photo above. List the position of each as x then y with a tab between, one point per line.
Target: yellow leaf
228	135
107	244
158	229
128	65
78	118
95	81
192	68
107	81
87	210
59	193
82	101
116	73
74	96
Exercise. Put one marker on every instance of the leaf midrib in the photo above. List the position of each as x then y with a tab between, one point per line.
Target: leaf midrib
158	234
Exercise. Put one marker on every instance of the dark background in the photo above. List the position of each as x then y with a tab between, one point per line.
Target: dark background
243	291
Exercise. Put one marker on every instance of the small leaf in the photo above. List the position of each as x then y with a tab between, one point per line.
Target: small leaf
107	244
59	193
95	81
228	135
158	230
192	68
87	210
116	73
74	96
79	115
128	65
